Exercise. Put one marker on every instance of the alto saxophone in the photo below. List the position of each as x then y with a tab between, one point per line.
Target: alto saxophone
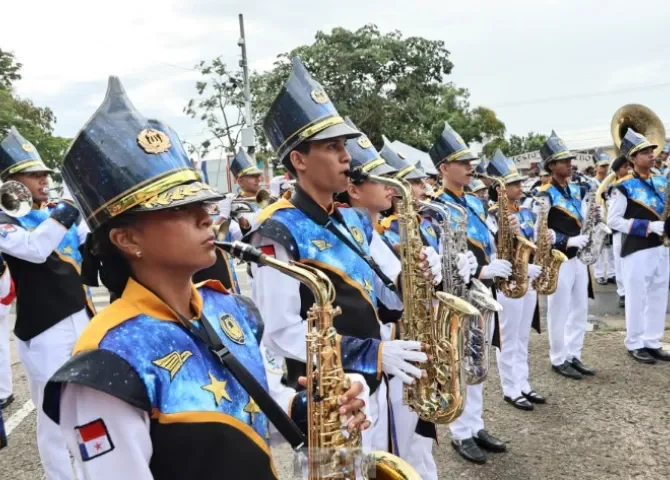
511	247
332	453
594	229
477	329
438	397
547	257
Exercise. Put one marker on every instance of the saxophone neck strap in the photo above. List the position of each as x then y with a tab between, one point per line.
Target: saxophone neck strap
282	422
318	215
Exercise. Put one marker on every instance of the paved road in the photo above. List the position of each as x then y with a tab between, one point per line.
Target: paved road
613	426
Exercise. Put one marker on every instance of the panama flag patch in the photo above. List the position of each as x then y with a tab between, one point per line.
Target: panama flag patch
94	440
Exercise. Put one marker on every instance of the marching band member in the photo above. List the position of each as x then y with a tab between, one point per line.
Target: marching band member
145	396
661	159
567	308
41	249
620	166
7	296
635	209
309	138
603	269
248	177
518	313
452	158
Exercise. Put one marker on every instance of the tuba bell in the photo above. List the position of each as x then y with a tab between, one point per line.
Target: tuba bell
15	199
641	119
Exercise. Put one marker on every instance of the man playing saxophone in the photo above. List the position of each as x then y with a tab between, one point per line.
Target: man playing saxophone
518	313
638	208
452	158
568	306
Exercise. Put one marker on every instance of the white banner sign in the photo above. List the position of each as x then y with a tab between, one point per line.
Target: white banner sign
526	160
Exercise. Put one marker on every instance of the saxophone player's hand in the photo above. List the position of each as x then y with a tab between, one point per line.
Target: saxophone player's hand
534	271
432	266
579	241
497	268
514	223
472	261
463	266
552	236
657	227
397	356
352	403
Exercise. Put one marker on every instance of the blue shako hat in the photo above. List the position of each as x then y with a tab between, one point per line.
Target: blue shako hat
243	165
450	147
633	142
406	170
121	160
554	149
504	168
302	112
481	165
475	185
364	155
600	157
18	155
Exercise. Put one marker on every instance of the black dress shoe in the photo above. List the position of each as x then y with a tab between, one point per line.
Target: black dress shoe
642	356
519	402
534	397
659	354
622	301
488	442
611	280
567	370
601	281
469	450
581	368
6	402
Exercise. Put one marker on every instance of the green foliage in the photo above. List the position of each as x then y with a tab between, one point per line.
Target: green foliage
386	83
219	104
516	145
9	69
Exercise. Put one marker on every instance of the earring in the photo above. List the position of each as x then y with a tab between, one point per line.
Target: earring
139	254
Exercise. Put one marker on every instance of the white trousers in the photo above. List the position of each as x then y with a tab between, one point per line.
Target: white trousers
41	357
377	436
413	448
616	250
470	422
515	321
567	311
605	267
645	273
5	362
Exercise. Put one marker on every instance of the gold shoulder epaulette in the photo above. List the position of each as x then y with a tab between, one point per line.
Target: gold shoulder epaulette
268	211
386	222
627	177
545	187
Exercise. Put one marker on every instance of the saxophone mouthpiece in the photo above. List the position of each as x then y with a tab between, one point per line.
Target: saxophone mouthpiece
243	251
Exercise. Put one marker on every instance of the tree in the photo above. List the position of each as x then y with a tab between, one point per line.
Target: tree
9	69
388	85
219	104
516	145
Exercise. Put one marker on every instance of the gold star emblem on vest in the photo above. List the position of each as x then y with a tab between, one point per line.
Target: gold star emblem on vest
252	409
173	361
367	286
217	388
67	250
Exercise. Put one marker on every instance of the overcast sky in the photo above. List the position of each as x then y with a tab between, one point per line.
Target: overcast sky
542	64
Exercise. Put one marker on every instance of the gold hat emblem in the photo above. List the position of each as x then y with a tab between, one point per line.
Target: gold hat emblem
153	141
319	96
357	234
232	329
364	142
27	147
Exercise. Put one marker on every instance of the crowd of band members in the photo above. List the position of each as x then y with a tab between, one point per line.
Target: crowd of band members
141	378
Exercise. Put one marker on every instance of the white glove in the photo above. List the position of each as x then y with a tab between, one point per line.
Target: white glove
497	268
579	241
656	227
68	196
463	266
396	358
275	185
514	223
553	235
534	271
434	263
225	205
472	260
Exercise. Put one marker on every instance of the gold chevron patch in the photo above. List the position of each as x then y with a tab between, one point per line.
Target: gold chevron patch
321	244
173	361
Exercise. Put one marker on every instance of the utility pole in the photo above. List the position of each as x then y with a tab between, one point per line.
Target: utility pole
248	137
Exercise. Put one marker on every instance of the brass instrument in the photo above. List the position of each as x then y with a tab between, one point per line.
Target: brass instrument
512	247
645	122
593	228
547	257
476	359
15	199
438	397
331	451
242	206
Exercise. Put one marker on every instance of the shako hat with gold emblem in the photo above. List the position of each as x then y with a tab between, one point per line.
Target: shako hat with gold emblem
633	142
407	170
18	155
475	185
450	147
121	160
302	112
243	165
600	158
554	149
364	155
504	168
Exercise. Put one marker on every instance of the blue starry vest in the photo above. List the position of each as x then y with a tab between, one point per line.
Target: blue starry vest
565	216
